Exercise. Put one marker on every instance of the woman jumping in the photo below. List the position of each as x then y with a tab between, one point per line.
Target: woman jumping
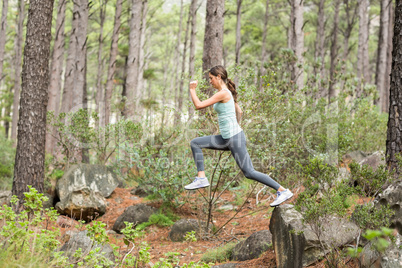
232	136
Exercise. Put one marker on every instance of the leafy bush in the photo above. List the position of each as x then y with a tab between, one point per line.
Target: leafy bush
7	158
219	254
158	219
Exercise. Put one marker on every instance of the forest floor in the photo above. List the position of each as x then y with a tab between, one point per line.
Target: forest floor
250	219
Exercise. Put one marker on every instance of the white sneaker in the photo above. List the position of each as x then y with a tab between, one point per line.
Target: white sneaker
197	183
281	197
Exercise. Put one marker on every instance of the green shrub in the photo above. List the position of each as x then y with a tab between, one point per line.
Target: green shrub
219	254
158	219
7	158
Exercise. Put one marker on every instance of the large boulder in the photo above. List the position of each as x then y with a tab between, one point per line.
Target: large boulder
253	246
5	198
374	160
296	245
356	156
392	196
82	191
182	227
136	214
82	241
390	258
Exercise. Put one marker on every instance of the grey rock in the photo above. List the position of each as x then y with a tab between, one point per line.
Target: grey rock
136	214
392	196
374	160
356	156
82	191
141	192
253	246
295	244
5	197
49	202
182	227
391	258
82	241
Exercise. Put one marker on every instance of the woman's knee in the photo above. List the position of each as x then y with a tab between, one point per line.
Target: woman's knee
248	173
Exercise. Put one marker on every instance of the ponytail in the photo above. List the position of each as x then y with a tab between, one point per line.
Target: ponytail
232	87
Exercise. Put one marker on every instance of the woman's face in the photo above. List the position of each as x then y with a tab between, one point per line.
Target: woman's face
214	80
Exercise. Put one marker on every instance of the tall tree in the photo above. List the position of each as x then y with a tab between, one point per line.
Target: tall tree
319	52
30	155
362	50
385	104
141	54
382	49
175	81
17	67
112	61
56	70
334	53
193	12
297	41
79	89
394	141
350	9
238	32
99	98
213	37
264	42
133	55
3	27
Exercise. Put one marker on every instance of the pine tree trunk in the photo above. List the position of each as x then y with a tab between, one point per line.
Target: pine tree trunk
69	75
183	70
30	154
112	61
17	66
141	59
319	53
133	55
385	104
175	82
213	37
56	71
238	33
99	98
193	12
350	23
381	66
3	27
394	142
334	53
264	42
80	60
362	56
297	43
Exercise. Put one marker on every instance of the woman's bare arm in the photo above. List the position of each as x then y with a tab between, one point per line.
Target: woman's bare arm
239	112
217	97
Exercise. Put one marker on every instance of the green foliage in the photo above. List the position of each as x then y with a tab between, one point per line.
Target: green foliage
219	254
158	219
381	239
372	217
190	237
7	157
370	182
172	260
82	129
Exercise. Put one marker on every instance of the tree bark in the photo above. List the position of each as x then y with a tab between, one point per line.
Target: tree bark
381	66
17	66
213	37
80	56
238	33
334	53
175	81
193	12
3	27
30	154
56	71
99	98
394	142
319	53
297	43
385	104
362	54
112	61
133	55
141	58
69	75
264	42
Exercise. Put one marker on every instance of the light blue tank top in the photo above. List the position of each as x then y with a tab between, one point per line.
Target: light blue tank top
228	125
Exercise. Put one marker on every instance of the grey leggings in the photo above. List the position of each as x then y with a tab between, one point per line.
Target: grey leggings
235	144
